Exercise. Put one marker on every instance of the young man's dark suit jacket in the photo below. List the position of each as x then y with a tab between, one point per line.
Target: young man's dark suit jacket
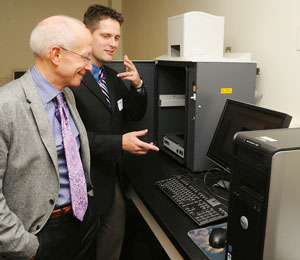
104	127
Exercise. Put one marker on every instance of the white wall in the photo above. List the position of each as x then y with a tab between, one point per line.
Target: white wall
269	30
266	28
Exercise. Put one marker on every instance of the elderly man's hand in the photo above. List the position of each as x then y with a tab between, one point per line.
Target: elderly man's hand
132	144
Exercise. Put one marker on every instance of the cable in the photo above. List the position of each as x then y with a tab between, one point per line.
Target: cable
213	186
209	171
215	194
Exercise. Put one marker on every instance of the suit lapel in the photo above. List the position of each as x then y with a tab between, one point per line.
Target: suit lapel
110	85
40	116
90	82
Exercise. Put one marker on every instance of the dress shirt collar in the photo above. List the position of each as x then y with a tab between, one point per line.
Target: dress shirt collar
47	91
96	71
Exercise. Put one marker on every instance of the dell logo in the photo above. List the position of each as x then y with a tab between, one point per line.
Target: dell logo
244	222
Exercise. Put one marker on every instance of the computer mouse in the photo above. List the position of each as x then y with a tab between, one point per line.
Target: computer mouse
217	238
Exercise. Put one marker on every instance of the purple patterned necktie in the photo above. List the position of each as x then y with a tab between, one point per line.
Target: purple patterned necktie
74	165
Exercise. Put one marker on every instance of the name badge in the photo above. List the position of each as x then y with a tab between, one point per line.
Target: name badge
120	104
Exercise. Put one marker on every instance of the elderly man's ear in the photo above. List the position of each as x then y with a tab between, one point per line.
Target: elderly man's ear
55	55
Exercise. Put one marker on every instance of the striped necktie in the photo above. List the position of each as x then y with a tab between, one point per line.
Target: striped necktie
74	165
102	84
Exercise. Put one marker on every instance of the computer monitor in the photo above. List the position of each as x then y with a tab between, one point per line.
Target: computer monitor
236	117
17	73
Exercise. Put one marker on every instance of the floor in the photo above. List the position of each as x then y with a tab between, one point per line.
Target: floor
140	243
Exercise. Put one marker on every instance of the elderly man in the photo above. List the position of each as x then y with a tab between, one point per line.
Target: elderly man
45	212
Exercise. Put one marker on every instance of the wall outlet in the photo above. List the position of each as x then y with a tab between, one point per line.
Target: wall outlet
4	80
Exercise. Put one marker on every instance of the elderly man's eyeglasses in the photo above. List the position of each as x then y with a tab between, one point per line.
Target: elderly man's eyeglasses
87	59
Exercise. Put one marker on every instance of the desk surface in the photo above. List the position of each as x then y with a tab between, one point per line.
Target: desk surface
142	173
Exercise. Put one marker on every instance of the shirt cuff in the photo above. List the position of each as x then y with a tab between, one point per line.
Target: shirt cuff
140	88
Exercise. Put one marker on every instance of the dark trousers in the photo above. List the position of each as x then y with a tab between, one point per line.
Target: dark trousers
67	238
112	229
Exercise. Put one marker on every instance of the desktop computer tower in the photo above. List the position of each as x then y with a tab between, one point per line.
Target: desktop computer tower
263	213
190	99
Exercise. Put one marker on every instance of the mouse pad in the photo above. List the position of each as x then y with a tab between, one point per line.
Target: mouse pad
200	238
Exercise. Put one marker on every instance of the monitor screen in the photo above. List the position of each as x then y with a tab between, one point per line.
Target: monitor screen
238	116
17	73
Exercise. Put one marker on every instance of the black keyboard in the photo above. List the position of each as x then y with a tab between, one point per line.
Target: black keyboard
197	203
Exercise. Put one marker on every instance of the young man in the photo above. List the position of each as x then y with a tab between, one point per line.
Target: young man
44	148
103	102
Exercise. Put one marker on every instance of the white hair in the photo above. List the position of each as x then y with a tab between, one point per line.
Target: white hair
57	30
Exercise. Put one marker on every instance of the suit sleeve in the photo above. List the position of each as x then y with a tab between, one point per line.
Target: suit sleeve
135	104
15	241
106	147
